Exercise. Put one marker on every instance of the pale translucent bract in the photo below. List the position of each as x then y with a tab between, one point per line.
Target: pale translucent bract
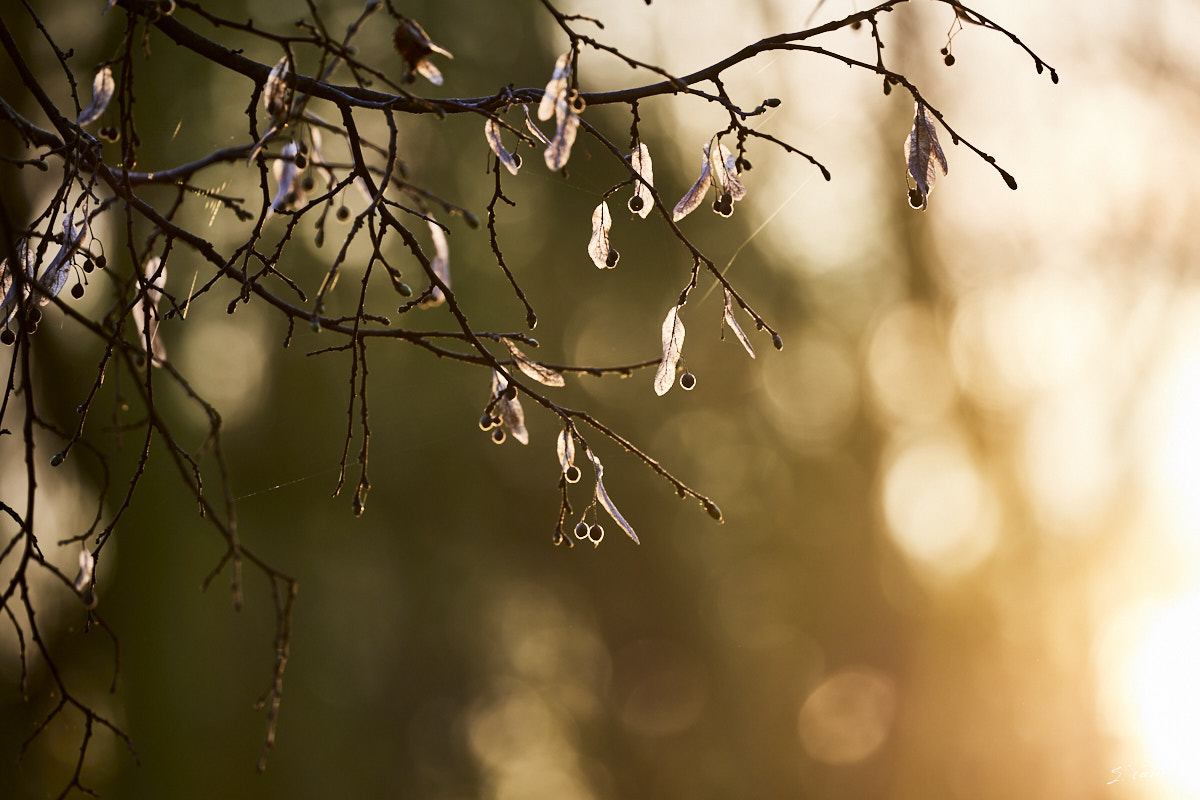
604	500
924	156
565	445
87	563
512	416
440	264
492	131
103	87
145	309
672	344
287	177
599	247
720	172
557	86
539	372
732	322
640	161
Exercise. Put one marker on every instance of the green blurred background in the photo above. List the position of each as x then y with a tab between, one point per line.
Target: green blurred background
962	525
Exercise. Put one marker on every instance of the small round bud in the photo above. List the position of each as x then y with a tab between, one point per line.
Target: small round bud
572	474
319	237
166	7
887	86
101	261
915	199
636	204
307	183
302	147
511	393
581	530
687	381
596	534
343	214
744	164
33	316
517	160
713	511
949	59
7	337
88	266
944	51
487	422
856	25
772	102
57	459
77	291
358	506
498	436
777	340
557	537
613	258
300	160
404	289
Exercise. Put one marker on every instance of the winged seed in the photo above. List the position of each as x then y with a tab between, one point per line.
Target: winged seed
606	501
672	342
732	322
566	449
103	87
924	155
639	160
492	131
599	247
556	86
539	372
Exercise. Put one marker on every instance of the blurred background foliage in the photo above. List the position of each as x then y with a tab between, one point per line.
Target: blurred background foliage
962	523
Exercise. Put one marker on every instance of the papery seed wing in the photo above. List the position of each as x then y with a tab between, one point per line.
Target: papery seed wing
924	156
513	417
556	86
534	129
672	342
539	372
565	445
492	131
718	170
599	248
145	310
642	165
431	73
559	151
87	563
695	196
275	92
440	264
733	183
54	276
606	501
732	322
286	176
103	87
